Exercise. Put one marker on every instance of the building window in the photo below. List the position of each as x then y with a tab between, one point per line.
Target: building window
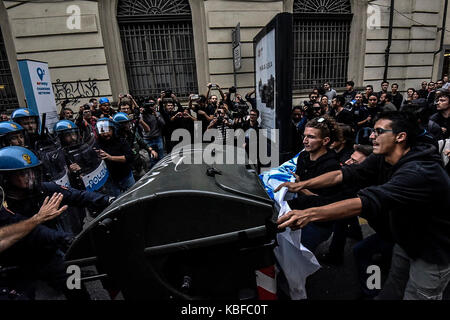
158	46
321	42
8	97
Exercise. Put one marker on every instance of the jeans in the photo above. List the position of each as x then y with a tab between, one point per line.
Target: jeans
417	279
115	188
364	252
313	235
156	144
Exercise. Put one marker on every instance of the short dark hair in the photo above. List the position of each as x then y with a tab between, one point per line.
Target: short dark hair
365	149
394	84
389	97
256	111
350	83
297	108
370	86
341	100
383	82
402	121
92	100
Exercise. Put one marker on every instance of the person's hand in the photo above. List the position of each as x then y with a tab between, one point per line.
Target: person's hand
49	208
154	154
291	186
74	167
202	112
444	130
294	219
297	178
209	85
129	96
447	152
103	155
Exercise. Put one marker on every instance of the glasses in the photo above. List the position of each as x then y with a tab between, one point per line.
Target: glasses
378	131
372	99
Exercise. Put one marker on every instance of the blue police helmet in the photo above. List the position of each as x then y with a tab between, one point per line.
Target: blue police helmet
17	158
121	117
103	100
63	125
9	127
23	113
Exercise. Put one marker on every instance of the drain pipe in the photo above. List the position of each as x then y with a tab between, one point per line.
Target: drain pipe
444	21
388	48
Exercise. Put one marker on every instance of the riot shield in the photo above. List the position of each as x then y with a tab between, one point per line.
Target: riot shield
93	170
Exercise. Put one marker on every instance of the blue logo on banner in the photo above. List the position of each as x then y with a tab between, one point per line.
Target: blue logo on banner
40	73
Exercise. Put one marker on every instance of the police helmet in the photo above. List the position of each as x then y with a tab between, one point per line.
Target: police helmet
16	161
64	129
105	125
63	125
17	158
7	130
20	115
121	117
23	113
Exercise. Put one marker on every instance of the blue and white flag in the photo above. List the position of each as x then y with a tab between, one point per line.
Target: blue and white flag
296	261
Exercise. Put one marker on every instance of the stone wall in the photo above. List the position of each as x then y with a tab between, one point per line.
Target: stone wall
76	57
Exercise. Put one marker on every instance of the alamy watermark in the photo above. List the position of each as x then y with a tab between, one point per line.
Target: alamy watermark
227	146
73	22
373	17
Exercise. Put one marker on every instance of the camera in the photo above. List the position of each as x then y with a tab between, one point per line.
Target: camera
241	110
195	97
219	119
149	107
167	93
232	89
213	86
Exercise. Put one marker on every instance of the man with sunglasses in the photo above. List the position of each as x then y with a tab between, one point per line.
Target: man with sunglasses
404	187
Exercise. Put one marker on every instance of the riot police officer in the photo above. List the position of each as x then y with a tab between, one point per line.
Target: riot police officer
11	134
127	131
40	253
29	120
117	155
45	146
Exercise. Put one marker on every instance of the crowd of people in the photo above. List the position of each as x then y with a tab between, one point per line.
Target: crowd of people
405	140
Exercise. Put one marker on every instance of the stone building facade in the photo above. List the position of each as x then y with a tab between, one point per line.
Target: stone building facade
106	47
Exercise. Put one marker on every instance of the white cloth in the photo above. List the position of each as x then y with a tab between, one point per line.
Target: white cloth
296	261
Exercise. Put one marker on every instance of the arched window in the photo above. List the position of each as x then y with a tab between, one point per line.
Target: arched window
8	98
158	46
321	42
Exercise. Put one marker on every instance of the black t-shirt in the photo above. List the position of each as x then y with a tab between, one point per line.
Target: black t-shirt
345	116
117	147
349	95
443	123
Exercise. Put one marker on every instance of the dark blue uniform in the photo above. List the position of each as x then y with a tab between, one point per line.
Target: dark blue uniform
39	255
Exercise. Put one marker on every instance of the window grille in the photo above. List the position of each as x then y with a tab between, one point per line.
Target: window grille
8	97
158	46
321	42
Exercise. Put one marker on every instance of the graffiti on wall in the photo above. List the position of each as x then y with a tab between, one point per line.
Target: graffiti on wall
72	92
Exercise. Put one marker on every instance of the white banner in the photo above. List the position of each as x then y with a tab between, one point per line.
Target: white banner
37	85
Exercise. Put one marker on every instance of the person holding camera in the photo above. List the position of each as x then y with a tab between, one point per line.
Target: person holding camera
213	101
154	120
85	121
221	122
205	113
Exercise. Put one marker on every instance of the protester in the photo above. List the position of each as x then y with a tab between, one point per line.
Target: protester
401	180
